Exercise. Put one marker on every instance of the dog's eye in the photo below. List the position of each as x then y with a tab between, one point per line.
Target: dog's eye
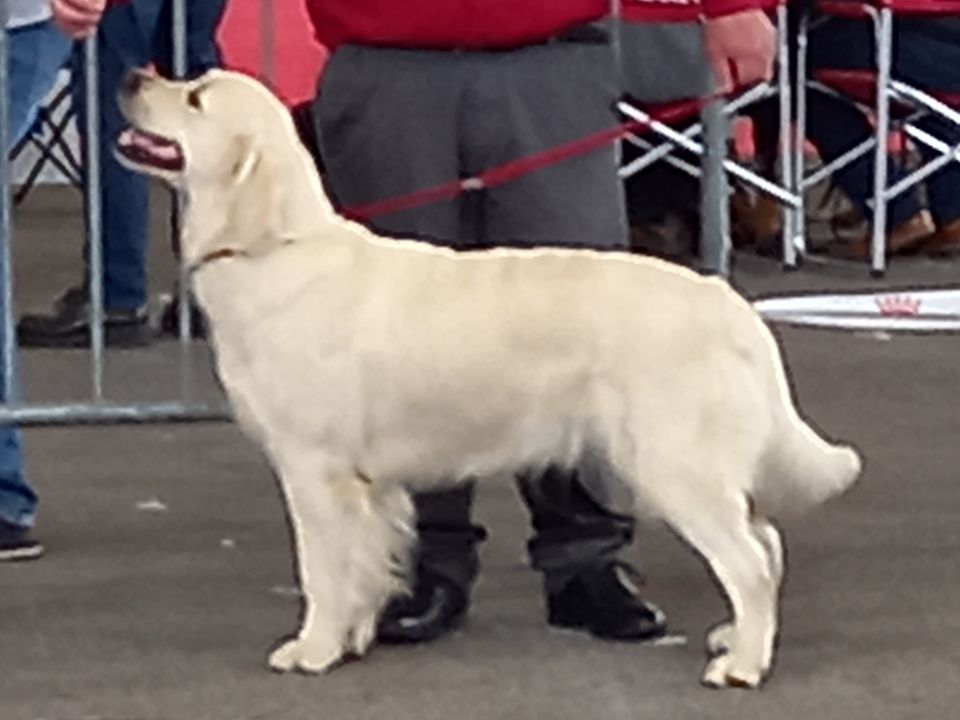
193	100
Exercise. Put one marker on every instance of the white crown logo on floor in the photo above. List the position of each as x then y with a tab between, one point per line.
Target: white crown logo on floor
918	310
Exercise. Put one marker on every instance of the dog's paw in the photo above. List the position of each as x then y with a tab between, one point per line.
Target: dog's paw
306	656
724	672
721	638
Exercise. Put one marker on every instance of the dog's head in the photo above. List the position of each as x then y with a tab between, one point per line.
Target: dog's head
231	144
212	129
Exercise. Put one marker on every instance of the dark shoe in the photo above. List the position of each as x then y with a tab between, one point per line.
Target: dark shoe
907	238
673	237
756	223
69	325
944	243
17	543
436	608
170	319
604	602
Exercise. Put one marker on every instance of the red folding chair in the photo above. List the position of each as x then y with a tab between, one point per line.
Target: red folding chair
669	139
892	101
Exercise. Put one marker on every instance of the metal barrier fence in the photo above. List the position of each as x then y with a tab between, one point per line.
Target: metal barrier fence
99	408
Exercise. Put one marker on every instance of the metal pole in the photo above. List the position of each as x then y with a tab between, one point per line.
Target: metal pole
184	303
884	35
112	413
715	207
787	138
179	30
6	269
799	242
268	43
94	212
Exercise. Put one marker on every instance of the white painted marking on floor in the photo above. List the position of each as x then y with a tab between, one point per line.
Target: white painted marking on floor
152	505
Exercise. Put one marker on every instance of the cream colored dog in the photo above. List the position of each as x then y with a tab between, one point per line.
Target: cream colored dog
367	368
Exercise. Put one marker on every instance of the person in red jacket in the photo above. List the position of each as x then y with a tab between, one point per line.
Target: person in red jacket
419	93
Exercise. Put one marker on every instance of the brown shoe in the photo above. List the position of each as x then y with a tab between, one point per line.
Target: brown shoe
756	222
945	242
908	237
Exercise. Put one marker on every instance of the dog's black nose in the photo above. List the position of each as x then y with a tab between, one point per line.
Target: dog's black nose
133	81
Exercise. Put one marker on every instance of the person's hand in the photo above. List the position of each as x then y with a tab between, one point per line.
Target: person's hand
741	48
77	18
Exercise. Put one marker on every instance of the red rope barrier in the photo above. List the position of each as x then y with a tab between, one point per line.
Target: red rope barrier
519	167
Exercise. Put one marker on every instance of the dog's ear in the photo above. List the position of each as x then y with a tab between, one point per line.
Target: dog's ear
246	159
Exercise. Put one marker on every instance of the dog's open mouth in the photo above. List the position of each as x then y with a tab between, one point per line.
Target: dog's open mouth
152	150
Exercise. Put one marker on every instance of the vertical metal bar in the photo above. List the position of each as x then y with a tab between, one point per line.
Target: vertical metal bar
800	133
616	19
787	139
884	33
715	205
6	236
184	316
94	212
179	31
268	43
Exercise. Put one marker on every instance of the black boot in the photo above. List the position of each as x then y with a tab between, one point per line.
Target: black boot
605	603
170	319
436	607
68	326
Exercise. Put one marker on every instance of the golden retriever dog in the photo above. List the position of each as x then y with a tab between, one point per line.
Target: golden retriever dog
368	368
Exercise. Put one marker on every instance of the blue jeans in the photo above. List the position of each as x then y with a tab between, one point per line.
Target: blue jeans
132	36
926	54
37	52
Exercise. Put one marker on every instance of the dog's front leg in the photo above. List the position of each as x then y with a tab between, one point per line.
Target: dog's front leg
352	540
320	505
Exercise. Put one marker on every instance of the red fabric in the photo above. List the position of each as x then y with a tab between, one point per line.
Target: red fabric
299	59
475	24
720	8
669	11
923	7
858	8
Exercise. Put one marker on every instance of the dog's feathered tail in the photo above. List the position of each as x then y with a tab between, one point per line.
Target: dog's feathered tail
801	469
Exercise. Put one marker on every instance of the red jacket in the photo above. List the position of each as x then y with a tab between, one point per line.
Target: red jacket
478	24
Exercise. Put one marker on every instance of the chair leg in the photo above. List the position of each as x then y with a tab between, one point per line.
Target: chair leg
884	32
785	151
800	136
47	136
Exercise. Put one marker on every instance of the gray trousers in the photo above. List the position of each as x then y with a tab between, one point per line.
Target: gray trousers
390	121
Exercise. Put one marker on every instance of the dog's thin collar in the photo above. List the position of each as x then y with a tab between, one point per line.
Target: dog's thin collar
226	254
221	254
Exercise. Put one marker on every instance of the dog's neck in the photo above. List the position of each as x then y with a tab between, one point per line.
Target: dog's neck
280	202
225	253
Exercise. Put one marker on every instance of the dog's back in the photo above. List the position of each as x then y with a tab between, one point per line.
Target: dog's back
470	363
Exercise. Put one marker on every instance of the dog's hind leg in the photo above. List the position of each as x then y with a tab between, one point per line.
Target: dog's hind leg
719	527
343	536
770	538
721	638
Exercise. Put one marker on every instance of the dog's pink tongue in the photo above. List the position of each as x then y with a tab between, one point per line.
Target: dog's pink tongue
165	152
